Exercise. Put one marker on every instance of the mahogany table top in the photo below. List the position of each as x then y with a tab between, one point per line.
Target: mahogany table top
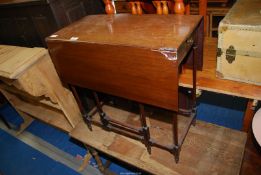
149	31
134	57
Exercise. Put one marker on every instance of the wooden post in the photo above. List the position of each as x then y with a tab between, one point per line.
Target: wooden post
145	128
109	7
139	9
194	74
102	114
136	8
187	9
203	12
158	7
249	114
165	7
133	8
176	148
86	117
179	7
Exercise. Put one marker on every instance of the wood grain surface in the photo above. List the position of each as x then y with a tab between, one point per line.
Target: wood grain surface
244	13
126	56
148	31
41	112
133	73
15	60
29	74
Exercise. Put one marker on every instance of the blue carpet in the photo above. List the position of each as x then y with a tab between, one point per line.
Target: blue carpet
220	109
62	141
56	137
18	158
10	114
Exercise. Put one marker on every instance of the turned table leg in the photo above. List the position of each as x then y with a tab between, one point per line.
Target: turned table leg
176	148
87	118
109	7
145	128
86	160
105	121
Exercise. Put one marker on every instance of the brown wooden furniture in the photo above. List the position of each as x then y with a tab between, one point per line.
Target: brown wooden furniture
106	59
204	144
156	6
30	83
28	22
214	15
213	10
138	7
160	7
252	156
207	80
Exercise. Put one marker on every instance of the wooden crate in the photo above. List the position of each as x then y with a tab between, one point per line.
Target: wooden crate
32	86
239	46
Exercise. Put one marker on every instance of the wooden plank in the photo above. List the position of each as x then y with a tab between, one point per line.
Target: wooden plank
58	91
30	71
47	115
208	149
14	60
149	31
41	99
33	82
207	80
244	13
203	12
248	116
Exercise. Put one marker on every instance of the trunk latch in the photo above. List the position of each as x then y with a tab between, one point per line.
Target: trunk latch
230	54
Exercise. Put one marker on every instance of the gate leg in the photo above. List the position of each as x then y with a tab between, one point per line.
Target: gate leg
105	121
86	117
145	128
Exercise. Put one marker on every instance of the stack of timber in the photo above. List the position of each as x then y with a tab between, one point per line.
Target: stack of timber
30	83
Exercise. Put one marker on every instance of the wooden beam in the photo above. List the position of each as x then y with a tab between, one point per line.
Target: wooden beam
203	12
249	114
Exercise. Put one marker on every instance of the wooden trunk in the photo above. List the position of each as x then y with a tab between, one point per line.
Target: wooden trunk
135	57
239	46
